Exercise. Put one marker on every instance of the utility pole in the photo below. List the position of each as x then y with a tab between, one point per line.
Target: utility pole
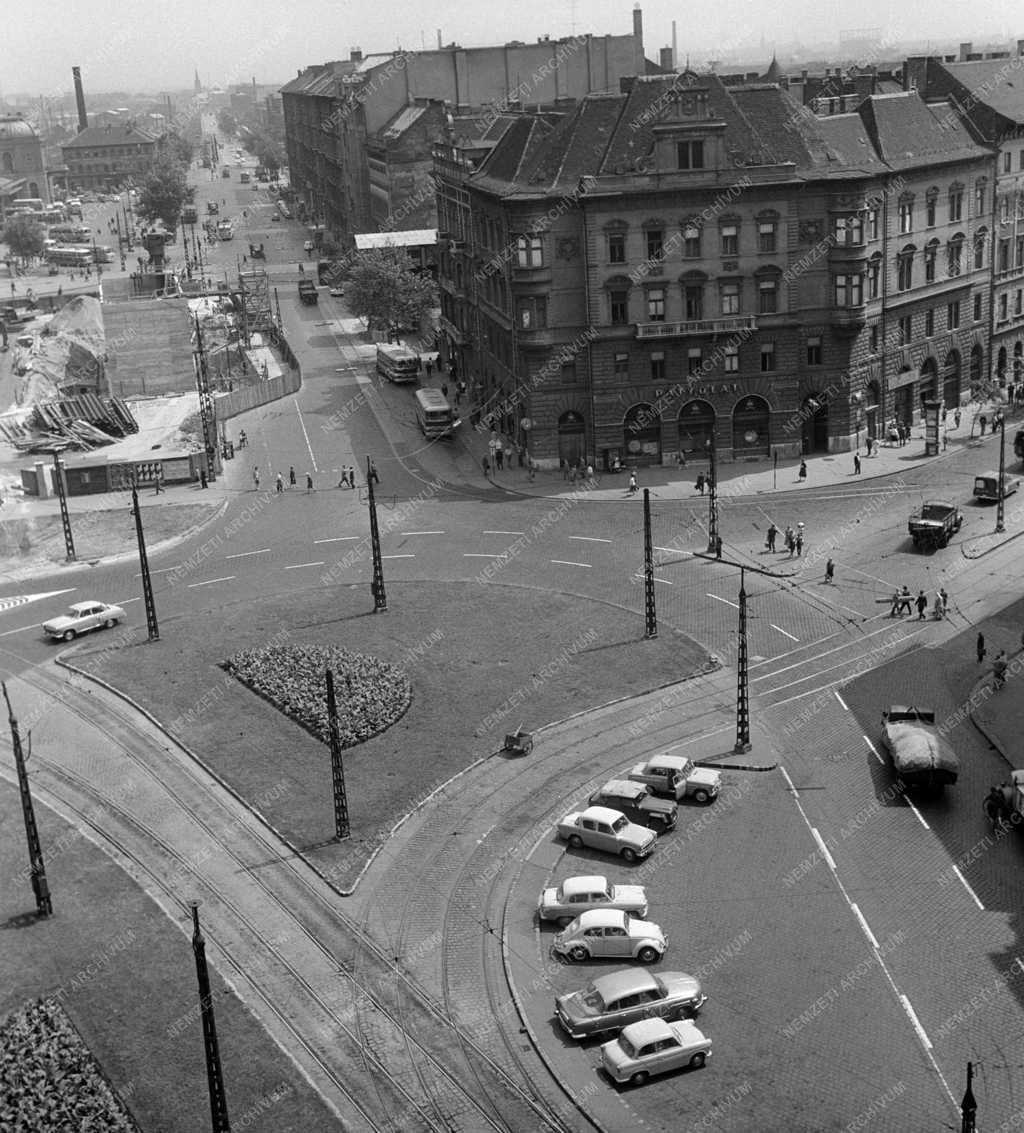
206	411
968	1106
742	676
712	495
62	495
341	826
650	612
44	906
380	598
219	1121
147	581
1001	505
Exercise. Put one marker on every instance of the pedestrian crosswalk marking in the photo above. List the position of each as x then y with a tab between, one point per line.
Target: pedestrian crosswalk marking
16	600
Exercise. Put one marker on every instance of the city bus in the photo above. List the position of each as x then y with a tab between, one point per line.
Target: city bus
26	204
65	257
396	363
225	230
70	234
433	413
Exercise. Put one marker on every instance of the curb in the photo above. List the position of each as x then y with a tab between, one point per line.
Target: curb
989	550
976	693
710	762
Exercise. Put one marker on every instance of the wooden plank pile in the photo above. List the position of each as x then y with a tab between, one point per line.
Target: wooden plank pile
84	423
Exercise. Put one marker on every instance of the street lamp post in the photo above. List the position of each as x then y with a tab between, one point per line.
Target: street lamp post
712	496
1001	505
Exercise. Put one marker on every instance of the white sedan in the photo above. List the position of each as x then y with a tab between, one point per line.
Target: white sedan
308	246
654	1046
82	617
579	894
337	291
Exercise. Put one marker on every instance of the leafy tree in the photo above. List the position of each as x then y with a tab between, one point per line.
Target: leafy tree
385	289
24	236
175	146
266	149
227	123
163	191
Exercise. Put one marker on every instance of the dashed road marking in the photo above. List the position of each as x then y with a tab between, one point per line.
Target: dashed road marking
725	600
504	532
567	562
963	881
338	539
211	581
835	693
783	632
398	556
246	554
406	534
481	555
874	751
589	539
663	581
922	1034
300	566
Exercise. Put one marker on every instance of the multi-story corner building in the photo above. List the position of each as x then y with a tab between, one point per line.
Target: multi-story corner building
105	157
989	93
685	261
22	164
359	133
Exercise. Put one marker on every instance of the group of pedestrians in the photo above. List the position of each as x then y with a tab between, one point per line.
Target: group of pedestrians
792	539
903	602
899	432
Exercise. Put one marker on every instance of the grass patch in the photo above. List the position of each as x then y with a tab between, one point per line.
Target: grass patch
369	693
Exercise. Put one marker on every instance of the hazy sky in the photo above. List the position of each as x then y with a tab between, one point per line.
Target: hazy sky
145	45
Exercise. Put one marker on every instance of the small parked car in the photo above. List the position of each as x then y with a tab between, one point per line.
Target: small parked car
612	1002
578	894
637	803
678	778
82	617
604	829
307	246
654	1047
610	934
337	291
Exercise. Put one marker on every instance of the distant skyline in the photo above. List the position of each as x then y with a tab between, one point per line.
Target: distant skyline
149	46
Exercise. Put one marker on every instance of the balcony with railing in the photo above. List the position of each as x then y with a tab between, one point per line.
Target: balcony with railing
694	328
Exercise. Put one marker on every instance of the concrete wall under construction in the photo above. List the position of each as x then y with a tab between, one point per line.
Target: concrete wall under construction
149	347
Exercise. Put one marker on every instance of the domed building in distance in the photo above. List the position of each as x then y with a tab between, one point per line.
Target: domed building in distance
22	172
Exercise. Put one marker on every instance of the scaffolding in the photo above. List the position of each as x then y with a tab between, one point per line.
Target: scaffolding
256	313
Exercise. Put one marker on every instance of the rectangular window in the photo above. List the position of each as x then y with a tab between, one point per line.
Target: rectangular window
874	278
656	305
529	252
953	315
657	367
872	224
978	302
930	256
694	360
1003	263
730	239
1003	307
1007	162
694	295
929	322
618	302
1020	160
956	204
568	373
873	340
766	236
691	242
906	216
955	257
655	244
1005	209
622	365
690	155
730	298
814	350
904	331
848	291
616	247
1019	253
849	230
1018	299
732	359
929	213
767	297
533	313
767	357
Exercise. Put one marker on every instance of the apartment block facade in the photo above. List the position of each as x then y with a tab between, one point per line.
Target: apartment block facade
106	157
685	262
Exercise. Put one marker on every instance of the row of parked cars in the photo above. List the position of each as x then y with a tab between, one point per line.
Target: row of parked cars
649	1014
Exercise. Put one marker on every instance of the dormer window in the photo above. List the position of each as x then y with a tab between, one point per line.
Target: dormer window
690	155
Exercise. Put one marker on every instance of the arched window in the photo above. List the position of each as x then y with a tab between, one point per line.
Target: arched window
641	434
930	200
955	255
929	382
696	427
979	247
905	268
750	427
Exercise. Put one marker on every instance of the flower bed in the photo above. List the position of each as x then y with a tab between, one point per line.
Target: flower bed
49	1079
371	694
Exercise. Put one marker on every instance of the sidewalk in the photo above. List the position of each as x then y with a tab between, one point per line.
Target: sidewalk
999	714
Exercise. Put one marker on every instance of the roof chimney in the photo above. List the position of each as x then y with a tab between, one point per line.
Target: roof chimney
965	51
355	55
83	120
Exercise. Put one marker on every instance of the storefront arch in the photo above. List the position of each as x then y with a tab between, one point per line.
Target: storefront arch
751	434
1018	360
696	427
951	377
928	387
641	434
814	424
1000	366
873	414
571	437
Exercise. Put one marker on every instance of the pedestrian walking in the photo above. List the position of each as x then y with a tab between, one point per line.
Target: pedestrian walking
563	464
789	540
343	482
352	476
773	532
572	472
799	543
718	546
981	648
419	364
590	469
922	605
430	367
291	476
486	466
956	418
802	474
999	667
830	572
280	483
372	474
906	601
499	456
242	439
869	444
256	477
699	485
983	421
856	464
894	609
633	486
158	478
309	482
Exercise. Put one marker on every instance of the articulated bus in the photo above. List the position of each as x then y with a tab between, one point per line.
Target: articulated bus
433	413
396	363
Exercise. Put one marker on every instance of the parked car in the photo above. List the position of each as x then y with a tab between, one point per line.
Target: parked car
610	934
637	803
337	291
307	246
578	894
654	1047
274	217
678	778
604	829
612	1002
82	617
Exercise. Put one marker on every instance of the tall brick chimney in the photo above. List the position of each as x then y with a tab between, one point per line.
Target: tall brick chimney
83	121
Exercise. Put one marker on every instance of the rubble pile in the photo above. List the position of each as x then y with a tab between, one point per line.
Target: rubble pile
66	355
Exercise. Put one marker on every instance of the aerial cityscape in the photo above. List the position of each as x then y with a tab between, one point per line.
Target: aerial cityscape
507	541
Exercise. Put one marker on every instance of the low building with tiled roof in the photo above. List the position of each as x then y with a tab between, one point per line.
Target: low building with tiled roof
687	262
108	156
